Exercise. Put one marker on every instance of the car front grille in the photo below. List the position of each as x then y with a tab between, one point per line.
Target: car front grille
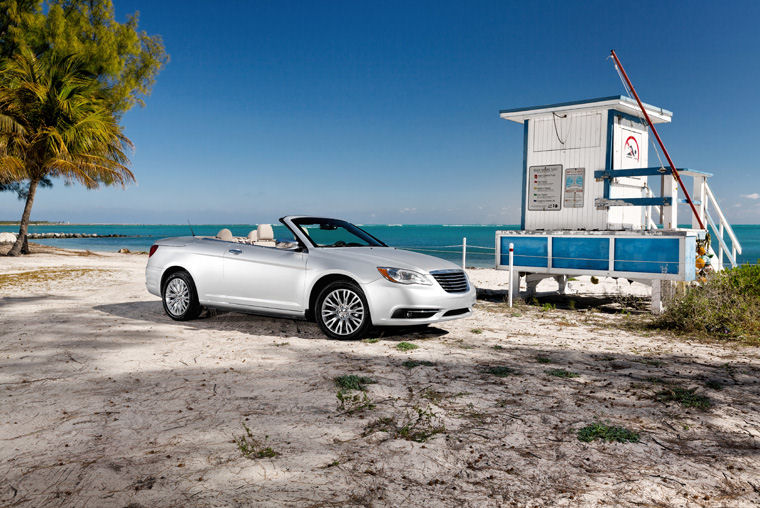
452	281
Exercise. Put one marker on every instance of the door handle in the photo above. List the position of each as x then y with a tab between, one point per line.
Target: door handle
235	251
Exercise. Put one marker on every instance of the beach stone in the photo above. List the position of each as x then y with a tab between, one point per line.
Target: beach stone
123	251
7	238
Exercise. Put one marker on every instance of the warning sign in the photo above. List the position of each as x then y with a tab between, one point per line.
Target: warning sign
545	188
631	149
574	184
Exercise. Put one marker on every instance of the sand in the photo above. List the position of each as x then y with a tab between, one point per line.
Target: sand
104	401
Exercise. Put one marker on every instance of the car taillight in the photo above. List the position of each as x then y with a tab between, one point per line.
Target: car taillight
153	249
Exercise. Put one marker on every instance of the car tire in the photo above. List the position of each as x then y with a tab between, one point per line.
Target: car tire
180	297
342	311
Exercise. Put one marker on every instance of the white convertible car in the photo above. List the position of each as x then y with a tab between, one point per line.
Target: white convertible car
329	271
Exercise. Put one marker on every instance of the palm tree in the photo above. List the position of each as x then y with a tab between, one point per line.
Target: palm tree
55	122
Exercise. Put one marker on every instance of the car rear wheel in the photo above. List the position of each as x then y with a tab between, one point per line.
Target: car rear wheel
180	297
342	311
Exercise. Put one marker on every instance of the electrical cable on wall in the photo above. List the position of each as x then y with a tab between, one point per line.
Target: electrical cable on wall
556	131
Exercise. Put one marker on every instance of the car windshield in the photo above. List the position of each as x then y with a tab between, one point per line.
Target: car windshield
335	233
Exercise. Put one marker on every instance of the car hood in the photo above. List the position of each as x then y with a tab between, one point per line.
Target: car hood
391	257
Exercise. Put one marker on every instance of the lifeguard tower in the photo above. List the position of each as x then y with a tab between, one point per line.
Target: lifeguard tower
593	204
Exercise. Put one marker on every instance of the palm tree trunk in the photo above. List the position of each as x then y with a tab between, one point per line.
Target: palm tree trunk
21	246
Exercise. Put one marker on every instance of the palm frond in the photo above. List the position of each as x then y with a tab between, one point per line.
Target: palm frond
55	121
12	169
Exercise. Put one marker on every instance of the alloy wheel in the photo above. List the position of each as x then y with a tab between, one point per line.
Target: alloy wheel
177	296
342	311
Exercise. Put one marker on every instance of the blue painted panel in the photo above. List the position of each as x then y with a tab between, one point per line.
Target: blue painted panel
608	155
529	251
524	174
659	201
585	253
690	258
647	255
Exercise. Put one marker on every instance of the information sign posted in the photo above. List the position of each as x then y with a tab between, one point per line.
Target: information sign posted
545	188
574	183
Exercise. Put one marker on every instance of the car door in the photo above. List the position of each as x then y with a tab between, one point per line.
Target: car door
265	277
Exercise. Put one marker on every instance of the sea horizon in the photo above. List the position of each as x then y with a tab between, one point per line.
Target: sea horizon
441	240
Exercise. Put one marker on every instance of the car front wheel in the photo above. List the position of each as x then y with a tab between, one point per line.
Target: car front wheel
342	311
180	297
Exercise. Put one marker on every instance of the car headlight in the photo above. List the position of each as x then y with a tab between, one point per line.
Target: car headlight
402	276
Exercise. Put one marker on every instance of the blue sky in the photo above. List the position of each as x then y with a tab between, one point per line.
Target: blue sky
387	112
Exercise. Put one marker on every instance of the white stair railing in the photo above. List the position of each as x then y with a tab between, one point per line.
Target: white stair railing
721	229
704	200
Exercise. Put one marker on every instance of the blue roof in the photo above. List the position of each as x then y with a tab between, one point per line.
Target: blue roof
585	101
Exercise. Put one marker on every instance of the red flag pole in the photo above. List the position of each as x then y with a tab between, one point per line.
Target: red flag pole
662	145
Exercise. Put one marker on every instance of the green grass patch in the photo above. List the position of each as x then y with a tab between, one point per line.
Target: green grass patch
353	382
419	425
348	400
351	403
371	341
685	397
406	346
713	384
726	306
252	448
543	359
497	347
561	373
476	331
500	370
609	433
410	364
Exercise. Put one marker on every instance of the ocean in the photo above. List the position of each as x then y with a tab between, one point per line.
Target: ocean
442	240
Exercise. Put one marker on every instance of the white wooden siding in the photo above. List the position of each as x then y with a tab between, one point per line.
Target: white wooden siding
584	134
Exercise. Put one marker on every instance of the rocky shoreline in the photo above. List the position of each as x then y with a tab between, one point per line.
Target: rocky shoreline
11	237
33	236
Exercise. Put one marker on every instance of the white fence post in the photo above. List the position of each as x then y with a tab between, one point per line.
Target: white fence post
511	271
464	252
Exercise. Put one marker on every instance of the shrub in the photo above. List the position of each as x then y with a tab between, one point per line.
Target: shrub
727	305
353	382
252	448
607	433
561	373
410	364
500	370
686	397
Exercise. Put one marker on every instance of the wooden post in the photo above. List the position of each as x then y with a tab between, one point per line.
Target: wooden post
700	198
464	252
670	213
512	273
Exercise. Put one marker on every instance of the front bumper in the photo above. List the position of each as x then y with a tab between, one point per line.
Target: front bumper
386	298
